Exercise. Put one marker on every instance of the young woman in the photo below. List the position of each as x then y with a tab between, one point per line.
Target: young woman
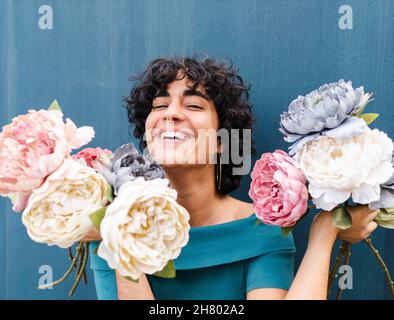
227	256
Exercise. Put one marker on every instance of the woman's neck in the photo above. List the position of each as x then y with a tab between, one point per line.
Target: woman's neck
197	193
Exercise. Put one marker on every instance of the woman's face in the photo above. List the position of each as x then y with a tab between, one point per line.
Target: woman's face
181	127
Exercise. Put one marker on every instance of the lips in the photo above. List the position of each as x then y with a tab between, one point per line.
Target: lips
174	134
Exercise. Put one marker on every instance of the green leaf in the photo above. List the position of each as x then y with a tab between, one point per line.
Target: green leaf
383	211
168	271
131	279
385	218
108	193
341	218
389	210
258	221
97	217
286	231
369	117
54	106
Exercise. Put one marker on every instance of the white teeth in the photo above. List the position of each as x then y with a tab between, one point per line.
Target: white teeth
173	135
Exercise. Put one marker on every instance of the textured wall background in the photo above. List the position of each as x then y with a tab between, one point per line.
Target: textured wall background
283	47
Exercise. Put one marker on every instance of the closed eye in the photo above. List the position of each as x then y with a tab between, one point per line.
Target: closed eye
193	106
160	106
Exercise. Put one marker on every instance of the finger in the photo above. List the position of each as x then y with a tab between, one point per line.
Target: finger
348	239
372	215
367	236
371	227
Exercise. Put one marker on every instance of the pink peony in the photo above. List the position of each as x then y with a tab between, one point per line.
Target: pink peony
91	154
33	146
278	190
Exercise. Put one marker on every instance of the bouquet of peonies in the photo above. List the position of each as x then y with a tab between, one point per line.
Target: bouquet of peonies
64	196
56	193
335	159
143	228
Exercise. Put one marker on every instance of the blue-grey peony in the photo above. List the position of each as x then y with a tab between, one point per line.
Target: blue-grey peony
127	165
322	110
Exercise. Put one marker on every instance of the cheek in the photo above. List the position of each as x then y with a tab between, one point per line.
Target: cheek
206	144
207	121
150	123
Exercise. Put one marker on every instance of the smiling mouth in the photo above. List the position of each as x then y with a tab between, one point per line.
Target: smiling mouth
172	139
179	136
171	135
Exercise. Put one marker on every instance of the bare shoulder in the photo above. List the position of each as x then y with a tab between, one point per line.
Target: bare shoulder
242	209
247	209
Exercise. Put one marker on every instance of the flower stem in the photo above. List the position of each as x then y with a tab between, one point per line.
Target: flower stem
382	264
82	268
84	277
85	280
347	259
71	256
64	277
335	268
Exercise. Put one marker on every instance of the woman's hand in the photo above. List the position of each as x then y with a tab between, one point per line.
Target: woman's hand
322	231
92	235
311	280
362	224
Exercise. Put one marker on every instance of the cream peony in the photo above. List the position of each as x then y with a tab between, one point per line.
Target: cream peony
58	212
143	228
338	169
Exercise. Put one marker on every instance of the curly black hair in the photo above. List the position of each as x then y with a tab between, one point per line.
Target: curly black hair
223	85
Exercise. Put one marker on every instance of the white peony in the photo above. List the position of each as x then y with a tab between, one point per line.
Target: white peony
338	169
58	211
143	228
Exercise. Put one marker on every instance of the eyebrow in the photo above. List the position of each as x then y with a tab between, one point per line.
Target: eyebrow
188	92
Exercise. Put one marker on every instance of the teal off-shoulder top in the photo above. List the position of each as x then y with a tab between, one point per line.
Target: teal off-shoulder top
222	261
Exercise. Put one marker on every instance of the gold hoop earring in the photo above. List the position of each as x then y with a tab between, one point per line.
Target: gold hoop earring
219	172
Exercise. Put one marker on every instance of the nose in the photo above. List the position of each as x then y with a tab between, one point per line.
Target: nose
174	112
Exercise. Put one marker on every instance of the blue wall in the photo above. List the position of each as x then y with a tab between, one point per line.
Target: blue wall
283	47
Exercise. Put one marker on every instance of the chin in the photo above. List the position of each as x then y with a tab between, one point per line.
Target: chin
170	162
170	156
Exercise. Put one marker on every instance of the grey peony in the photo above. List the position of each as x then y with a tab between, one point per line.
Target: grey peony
127	165
322	110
